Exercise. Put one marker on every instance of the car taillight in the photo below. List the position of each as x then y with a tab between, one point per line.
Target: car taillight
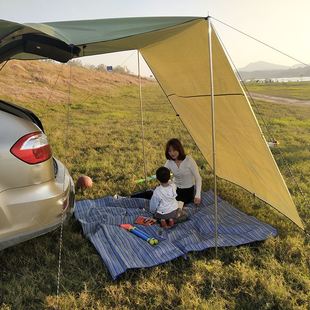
32	148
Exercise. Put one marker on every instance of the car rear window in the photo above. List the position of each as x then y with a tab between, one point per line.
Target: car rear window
20	112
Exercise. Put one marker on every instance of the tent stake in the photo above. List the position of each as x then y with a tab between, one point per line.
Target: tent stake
213	137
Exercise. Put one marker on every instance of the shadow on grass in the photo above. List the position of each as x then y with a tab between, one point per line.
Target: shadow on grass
237	279
29	272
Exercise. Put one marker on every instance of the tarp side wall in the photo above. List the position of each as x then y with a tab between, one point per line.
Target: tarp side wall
181	65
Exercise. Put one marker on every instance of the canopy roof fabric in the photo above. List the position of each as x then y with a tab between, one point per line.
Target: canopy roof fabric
177	51
89	37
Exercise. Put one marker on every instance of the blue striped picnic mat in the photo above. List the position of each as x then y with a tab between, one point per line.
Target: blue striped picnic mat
121	250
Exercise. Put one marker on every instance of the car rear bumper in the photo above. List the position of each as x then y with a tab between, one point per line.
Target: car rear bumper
34	210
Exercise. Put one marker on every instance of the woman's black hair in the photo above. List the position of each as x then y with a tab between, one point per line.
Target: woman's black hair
176	145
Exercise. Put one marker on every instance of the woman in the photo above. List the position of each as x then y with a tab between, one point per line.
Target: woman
185	172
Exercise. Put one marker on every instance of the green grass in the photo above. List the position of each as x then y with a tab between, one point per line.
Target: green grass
104	142
294	90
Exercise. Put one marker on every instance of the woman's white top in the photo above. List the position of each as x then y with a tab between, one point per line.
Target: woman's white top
163	199
186	175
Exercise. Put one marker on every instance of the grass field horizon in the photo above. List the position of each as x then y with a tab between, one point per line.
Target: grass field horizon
103	141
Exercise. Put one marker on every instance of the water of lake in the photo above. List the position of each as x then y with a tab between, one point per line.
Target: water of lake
292	79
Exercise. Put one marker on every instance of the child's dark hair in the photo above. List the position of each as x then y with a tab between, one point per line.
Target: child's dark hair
176	145
163	174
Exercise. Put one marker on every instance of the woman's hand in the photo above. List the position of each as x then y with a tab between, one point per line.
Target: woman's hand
197	201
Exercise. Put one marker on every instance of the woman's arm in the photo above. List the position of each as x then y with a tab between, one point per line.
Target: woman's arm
198	181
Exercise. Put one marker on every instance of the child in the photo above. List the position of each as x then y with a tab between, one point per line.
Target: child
163	202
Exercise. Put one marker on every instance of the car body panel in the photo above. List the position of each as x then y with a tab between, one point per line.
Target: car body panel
33	197
14	173
25	211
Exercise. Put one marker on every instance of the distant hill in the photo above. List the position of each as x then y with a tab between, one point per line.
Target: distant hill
28	81
272	71
262	66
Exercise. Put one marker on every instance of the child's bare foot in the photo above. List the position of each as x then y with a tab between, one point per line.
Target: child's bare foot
171	223
163	223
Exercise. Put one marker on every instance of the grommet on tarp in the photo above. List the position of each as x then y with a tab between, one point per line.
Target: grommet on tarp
273	143
83	49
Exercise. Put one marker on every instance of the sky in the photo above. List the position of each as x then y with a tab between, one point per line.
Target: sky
283	24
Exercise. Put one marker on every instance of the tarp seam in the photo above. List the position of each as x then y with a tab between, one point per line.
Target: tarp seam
205	95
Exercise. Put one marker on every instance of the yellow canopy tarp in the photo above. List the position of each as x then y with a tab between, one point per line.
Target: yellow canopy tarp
181	65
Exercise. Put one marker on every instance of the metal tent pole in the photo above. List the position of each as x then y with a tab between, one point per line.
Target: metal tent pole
142	121
66	146
213	135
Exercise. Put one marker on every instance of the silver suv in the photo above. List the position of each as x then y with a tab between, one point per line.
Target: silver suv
35	188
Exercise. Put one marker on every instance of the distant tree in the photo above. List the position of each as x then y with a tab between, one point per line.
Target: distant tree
101	67
90	67
48	60
75	63
121	70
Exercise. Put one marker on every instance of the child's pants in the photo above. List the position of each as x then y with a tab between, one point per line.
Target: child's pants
178	215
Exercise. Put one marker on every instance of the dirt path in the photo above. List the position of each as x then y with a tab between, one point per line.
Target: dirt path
280	100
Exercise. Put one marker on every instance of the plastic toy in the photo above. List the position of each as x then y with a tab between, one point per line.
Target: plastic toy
146	221
84	182
152	177
140	233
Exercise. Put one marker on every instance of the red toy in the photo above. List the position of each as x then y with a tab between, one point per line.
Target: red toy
146	221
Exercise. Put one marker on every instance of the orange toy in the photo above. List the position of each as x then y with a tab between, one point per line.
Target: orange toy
84	182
